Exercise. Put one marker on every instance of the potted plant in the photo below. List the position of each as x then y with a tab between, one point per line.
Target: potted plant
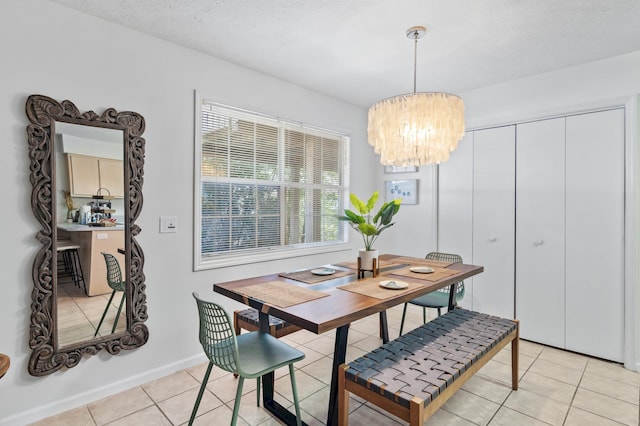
370	227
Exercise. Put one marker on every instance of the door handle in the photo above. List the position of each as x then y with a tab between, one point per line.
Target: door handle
538	243
492	239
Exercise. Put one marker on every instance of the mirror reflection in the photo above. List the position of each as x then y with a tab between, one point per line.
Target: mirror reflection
90	243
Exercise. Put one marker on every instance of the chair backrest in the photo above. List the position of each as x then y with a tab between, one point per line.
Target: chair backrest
453	258
114	274
217	337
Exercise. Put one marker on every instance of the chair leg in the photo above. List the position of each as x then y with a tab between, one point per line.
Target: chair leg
404	313
202	388
258	391
236	404
104	314
295	395
439	311
115	322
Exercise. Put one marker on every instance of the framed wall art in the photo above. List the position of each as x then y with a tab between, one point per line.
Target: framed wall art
405	189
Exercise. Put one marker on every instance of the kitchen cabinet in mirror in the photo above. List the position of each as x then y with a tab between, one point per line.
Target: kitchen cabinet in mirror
69	271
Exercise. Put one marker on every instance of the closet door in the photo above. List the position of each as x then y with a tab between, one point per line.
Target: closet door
455	190
540	230
595	233
493	220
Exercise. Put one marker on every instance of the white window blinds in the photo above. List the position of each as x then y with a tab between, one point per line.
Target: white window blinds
266	187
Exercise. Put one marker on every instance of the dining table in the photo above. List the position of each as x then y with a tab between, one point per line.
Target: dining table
331	297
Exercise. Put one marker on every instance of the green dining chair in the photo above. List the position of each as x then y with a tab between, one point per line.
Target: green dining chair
436	299
114	279
250	355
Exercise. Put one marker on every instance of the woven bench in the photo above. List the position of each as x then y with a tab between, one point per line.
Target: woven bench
415	374
248	319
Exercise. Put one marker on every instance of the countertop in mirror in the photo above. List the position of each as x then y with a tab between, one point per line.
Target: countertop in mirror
76	227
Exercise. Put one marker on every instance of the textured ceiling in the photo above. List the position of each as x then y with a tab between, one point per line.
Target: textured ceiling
357	51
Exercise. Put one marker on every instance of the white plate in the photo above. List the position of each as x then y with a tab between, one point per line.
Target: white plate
421	270
394	285
323	271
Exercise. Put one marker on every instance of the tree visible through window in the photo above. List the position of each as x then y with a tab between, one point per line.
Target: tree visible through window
266	186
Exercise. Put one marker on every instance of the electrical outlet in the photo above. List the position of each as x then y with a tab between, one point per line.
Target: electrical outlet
168	224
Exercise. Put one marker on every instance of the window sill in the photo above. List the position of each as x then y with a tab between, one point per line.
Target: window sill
227	260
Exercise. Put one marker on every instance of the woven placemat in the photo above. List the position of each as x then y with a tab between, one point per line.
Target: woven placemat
436	275
281	294
372	288
423	262
308	277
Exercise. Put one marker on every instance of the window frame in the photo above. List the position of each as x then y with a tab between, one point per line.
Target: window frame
230	258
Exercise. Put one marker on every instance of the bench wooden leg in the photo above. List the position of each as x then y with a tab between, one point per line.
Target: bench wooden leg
515	347
343	397
236	326
416	412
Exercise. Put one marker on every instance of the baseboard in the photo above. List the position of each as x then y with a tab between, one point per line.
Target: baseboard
96	394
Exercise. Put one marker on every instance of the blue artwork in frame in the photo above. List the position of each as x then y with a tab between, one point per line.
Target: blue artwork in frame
407	190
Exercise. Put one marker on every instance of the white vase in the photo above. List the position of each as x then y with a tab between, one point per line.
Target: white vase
366	258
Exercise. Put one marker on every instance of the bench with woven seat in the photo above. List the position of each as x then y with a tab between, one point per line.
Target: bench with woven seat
415	374
248	319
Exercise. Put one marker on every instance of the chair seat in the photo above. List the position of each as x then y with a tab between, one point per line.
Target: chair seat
261	353
435	299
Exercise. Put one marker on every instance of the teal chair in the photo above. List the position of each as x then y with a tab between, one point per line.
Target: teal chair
250	355
436	299
114	279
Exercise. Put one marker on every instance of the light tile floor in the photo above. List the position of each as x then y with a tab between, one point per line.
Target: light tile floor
79	314
556	388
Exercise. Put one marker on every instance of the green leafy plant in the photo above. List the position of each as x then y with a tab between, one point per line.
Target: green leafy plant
367	225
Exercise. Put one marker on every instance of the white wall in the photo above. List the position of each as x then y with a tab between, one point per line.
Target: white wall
51	50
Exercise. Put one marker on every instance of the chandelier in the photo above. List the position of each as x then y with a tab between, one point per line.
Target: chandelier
416	129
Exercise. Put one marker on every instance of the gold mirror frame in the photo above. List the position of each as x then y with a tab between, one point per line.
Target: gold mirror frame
43	112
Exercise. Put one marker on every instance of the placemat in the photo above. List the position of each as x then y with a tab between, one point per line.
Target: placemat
372	288
280	294
436	275
423	262
309	278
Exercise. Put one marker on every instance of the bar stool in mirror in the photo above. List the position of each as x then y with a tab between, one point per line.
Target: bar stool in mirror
69	265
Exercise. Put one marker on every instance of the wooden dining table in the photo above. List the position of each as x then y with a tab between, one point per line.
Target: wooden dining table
335	301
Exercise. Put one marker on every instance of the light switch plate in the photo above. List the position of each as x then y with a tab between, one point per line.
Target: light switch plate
168	224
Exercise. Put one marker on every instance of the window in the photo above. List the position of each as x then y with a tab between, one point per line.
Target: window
266	188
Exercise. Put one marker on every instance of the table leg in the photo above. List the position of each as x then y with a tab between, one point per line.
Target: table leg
268	402
452	296
339	355
384	328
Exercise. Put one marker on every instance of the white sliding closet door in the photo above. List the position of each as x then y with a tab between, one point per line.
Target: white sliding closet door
540	219
493	220
595	234
455	195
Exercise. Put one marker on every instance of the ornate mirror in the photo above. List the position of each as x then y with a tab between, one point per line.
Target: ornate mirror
89	291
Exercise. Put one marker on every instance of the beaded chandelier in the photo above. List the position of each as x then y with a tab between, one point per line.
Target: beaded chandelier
416	129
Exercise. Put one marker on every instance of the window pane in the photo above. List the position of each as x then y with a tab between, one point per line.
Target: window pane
243	200
242	150
266	235
268	200
294	156
243	233
215	234
295	209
